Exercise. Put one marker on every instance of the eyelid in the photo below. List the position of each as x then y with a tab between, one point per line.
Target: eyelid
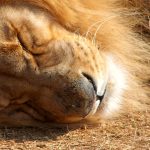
21	42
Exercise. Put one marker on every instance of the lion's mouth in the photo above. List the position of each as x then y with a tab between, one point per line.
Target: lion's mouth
99	95
97	104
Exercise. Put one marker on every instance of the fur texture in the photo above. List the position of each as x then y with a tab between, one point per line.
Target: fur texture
45	42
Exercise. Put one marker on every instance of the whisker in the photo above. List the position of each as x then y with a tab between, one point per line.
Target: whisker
102	23
90	27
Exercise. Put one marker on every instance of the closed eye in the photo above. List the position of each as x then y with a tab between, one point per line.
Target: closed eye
24	47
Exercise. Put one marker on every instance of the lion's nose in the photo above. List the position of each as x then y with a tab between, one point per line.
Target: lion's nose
77	96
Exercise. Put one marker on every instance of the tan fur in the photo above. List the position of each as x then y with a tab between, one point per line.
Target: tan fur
45	46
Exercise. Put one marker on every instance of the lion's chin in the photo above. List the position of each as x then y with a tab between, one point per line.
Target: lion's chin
94	109
76	118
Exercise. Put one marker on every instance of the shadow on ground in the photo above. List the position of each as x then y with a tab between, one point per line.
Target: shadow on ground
128	132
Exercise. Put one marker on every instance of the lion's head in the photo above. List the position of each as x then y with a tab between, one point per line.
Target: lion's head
52	70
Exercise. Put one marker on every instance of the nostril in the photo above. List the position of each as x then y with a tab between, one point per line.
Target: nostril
91	80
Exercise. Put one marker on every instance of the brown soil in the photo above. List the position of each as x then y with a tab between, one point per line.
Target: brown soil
126	133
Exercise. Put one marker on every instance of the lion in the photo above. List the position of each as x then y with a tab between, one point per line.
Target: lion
73	60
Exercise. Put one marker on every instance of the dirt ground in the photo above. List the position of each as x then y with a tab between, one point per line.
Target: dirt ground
126	133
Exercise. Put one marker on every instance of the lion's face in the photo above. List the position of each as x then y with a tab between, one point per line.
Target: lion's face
50	73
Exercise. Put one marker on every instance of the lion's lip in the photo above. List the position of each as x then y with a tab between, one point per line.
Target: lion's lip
95	107
101	97
96	104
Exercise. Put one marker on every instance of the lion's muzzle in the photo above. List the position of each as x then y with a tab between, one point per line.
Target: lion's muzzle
70	98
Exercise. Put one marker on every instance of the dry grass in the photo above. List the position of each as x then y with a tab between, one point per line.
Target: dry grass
130	132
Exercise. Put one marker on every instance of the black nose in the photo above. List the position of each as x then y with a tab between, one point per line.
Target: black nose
77	96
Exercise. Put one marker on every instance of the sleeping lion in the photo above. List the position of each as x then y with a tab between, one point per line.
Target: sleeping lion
72	60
